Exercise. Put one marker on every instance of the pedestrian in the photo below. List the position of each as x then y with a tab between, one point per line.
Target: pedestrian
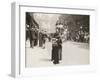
55	52
36	37
59	42
32	36
40	39
43	40
27	32
53	45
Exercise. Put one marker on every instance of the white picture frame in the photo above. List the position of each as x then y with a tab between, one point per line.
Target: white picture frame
18	40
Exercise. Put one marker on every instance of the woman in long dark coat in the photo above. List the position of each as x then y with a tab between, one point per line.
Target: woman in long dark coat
59	42
55	52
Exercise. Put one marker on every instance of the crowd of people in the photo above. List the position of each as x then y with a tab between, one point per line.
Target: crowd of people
35	36
78	36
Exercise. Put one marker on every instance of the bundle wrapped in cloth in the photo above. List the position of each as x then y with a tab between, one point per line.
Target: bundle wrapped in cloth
54	42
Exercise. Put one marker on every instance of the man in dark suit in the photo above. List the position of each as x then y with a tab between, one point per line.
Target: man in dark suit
40	39
33	36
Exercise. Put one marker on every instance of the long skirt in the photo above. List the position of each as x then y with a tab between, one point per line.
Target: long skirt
60	53
55	54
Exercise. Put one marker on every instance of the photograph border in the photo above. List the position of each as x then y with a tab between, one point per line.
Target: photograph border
16	69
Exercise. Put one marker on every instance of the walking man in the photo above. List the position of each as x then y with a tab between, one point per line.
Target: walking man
32	36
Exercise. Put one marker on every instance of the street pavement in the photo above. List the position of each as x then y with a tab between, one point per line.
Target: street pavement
73	53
